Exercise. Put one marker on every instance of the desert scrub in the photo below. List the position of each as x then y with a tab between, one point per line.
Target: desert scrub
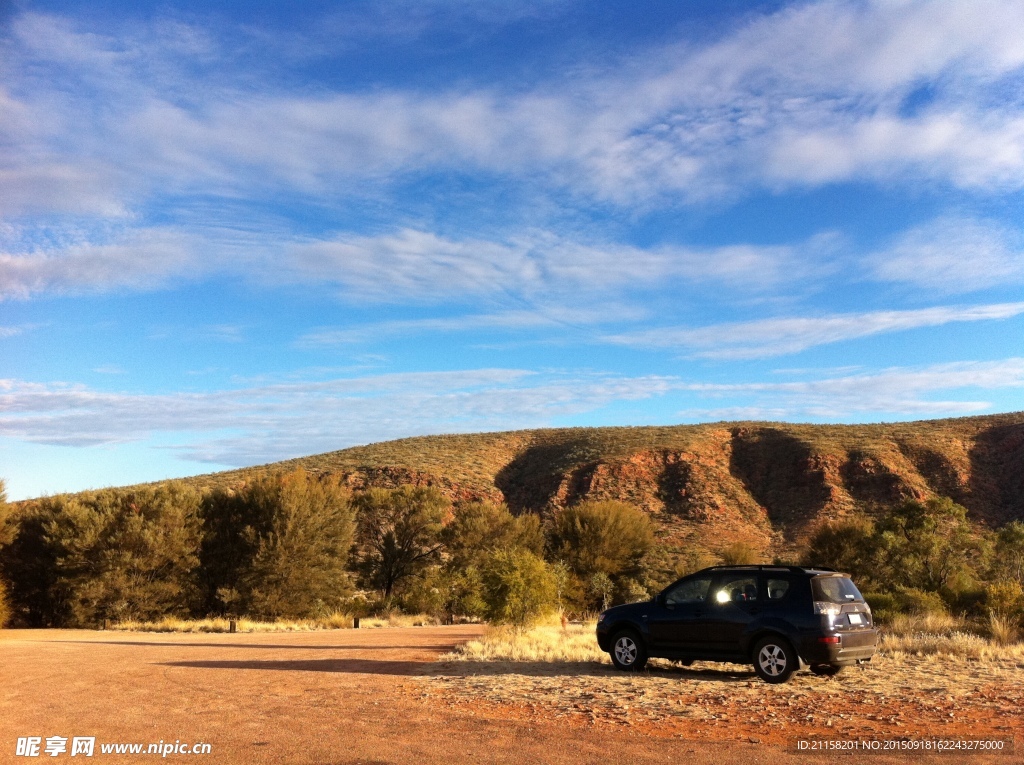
547	642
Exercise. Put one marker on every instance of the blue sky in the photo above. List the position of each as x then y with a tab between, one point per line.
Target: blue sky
233	233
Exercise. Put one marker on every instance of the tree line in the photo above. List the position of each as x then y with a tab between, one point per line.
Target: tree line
300	546
926	557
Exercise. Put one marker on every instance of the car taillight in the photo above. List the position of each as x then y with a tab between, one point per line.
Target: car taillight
832	639
824	607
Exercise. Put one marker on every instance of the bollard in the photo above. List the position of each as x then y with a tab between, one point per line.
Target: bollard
231	626
355	622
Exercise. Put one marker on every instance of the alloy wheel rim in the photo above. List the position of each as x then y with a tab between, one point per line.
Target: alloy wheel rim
772	660
625	651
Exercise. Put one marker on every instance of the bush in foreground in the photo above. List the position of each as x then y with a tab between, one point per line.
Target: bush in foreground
519	587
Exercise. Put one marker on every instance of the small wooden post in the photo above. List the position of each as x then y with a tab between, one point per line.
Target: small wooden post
231	626
355	622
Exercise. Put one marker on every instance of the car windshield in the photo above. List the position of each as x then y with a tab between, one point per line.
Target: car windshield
836	589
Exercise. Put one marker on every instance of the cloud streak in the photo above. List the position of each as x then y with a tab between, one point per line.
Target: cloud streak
269	422
765	338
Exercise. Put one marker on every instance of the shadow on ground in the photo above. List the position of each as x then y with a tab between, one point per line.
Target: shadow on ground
465	668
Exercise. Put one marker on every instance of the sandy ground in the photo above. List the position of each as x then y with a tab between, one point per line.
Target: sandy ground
381	696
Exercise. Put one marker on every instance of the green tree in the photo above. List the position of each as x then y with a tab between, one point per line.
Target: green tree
519	588
925	545
846	546
479	528
279	547
1008	560
117	554
399	534
604	537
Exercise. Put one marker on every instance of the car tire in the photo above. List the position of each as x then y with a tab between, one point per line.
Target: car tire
826	670
774	659
628	651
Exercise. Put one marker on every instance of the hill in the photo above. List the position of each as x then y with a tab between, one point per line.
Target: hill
767	484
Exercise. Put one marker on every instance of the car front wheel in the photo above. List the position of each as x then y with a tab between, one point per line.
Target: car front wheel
628	652
774	660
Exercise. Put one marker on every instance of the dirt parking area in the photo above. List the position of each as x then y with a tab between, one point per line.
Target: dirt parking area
383	696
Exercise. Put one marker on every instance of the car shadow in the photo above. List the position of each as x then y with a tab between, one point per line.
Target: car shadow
442	648
465	668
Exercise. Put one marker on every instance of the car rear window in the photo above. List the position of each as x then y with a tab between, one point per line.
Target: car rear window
777	588
836	589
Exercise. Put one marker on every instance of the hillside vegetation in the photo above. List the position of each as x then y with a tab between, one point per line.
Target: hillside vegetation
766	485
929	516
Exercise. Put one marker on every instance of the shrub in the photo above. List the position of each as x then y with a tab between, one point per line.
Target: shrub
913	601
740	554
519	588
1005	599
1009	553
846	546
602	537
884	605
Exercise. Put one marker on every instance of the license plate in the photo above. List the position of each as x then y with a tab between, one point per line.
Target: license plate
855	619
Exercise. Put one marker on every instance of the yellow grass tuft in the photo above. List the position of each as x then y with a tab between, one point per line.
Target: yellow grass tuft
542	643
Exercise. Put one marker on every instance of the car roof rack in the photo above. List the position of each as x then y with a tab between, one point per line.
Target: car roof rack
770	567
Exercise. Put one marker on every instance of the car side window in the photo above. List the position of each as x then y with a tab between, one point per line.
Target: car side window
689	591
777	588
736	588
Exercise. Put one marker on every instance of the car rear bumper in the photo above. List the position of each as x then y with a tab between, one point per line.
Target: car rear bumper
851	648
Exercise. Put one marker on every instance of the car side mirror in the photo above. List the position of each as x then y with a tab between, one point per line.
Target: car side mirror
660	599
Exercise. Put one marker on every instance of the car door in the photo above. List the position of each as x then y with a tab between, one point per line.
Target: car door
676	622
735	601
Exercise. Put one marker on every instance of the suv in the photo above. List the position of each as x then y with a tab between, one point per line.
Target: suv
777	617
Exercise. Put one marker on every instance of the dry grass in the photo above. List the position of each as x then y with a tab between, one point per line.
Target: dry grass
903	625
335	621
398	620
917	636
543	643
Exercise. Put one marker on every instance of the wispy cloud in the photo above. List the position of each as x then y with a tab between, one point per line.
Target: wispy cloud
813	94
268	422
952	255
534	318
142	259
250	425
776	337
896	392
422	266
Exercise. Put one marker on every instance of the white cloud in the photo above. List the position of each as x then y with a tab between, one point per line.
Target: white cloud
953	255
141	259
269	422
812	94
896	392
536	317
257	424
776	337
418	265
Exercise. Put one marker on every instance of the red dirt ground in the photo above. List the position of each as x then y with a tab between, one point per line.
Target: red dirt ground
332	698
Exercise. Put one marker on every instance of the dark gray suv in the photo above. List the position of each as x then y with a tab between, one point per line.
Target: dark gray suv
774	617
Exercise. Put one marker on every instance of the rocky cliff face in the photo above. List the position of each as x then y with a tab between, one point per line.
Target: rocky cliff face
768	484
